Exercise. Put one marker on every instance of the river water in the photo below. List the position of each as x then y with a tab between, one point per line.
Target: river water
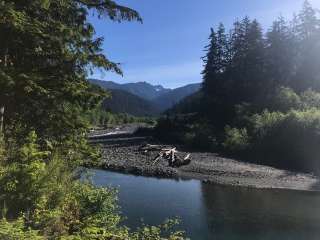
216	212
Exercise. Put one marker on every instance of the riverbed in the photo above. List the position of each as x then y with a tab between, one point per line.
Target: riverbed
210	211
120	152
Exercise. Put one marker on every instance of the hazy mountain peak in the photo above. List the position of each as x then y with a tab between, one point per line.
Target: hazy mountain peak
152	98
144	89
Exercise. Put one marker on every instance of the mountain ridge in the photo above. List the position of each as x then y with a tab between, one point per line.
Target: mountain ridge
143	99
125	102
142	89
169	99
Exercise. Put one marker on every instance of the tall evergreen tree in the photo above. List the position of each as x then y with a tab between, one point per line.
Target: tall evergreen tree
216	62
223	47
280	55
308	22
212	62
247	64
308	45
47	48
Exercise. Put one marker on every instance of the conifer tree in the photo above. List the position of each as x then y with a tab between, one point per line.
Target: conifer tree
47	47
245	73
280	54
308	46
211	62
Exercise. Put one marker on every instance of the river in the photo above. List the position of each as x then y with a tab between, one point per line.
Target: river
211	211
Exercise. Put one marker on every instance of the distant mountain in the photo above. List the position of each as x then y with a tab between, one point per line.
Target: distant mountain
125	102
169	99
142	89
143	99
190	104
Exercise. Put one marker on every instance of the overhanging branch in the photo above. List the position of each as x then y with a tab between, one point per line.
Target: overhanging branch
112	9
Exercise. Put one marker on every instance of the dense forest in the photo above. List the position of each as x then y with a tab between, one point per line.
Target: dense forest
260	98
101	118
47	49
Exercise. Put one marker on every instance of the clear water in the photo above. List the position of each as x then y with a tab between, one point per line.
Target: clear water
216	212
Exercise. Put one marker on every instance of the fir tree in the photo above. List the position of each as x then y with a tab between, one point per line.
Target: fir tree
47	48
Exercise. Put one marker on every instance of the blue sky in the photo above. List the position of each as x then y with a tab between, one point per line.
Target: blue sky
167	48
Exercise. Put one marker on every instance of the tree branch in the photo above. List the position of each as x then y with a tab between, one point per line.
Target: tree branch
112	10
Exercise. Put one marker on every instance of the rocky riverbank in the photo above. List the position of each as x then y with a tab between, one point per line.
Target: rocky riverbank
122	154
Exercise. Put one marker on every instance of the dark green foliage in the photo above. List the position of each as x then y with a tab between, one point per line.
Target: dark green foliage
191	104
46	51
287	138
284	140
124	102
47	48
186	129
247	66
173	129
260	97
42	199
236	139
101	118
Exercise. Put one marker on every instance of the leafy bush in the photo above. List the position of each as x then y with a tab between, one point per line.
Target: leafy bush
286	99
187	129
264	122
201	136
288	140
173	129
235	139
310	99
16	230
40	195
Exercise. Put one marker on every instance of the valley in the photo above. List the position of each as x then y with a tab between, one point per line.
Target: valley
143	99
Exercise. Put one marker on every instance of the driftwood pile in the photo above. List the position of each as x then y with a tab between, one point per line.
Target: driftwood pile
167	153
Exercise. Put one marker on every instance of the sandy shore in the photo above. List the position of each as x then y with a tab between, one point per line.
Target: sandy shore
120	153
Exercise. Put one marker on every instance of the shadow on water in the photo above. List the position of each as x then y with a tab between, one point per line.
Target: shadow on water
217	212
316	186
244	213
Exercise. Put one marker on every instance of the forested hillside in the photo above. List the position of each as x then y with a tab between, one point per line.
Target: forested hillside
143	90
171	98
260	98
141	98
124	102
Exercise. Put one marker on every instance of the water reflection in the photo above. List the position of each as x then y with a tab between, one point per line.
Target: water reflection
217	212
261	214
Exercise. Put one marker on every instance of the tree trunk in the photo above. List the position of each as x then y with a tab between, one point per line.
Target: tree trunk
2	106
1	119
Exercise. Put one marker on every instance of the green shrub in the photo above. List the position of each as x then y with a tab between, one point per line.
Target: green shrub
16	230
261	124
310	99
172	129
235	139
201	136
187	129
40	194
285	99
290	140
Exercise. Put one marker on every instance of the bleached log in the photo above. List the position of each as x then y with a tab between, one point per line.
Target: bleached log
187	157
170	154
